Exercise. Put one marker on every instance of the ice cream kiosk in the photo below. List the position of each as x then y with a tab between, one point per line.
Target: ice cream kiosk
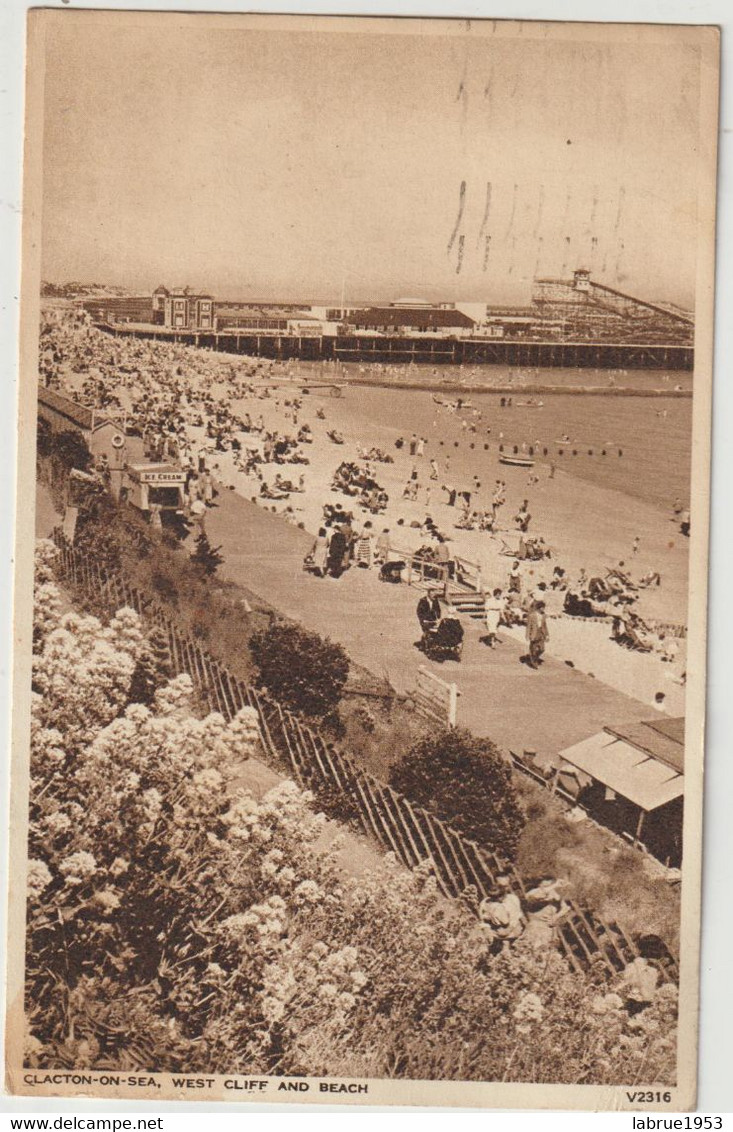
154	487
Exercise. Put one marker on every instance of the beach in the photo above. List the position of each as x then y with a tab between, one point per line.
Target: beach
601	495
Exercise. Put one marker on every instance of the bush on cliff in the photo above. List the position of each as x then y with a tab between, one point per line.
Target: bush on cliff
303	671
465	781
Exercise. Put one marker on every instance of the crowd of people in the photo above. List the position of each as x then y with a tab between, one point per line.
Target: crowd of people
340	544
199	408
351	479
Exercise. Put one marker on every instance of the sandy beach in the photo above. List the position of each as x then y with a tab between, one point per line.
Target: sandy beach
593	511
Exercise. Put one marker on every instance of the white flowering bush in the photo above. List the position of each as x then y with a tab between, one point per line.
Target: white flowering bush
176	921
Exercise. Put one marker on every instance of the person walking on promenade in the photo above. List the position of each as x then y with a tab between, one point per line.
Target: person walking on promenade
364	547
319	553
493	606
429	612
383	546
537	633
207	488
198	515
336	552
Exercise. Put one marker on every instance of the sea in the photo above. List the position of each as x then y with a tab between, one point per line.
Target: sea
646	439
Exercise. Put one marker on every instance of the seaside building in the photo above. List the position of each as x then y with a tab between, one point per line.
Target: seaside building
99	429
577	312
160	294
119	308
184	310
410	316
631	779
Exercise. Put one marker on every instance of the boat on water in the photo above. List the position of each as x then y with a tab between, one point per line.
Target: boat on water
531	404
460	403
517	461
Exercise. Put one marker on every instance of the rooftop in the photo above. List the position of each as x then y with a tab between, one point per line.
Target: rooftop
426	317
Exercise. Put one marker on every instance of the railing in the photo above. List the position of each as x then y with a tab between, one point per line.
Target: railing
462	867
468	574
420	571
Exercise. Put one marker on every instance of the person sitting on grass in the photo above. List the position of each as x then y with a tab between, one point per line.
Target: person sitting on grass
501	916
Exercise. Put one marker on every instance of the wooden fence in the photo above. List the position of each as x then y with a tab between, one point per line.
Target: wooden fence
462	867
435	698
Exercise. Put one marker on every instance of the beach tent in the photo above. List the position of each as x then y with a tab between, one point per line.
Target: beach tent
641	764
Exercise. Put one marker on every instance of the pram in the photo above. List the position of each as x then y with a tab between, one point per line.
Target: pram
391	572
444	641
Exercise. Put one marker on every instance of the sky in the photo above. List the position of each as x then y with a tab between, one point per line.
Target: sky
265	162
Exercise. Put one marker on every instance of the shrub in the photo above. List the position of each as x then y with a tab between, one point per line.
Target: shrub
153	668
70	449
206	557
175	919
44	438
543	837
467	782
300	669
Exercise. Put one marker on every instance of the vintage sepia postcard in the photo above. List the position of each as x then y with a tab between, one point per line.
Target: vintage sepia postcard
361	560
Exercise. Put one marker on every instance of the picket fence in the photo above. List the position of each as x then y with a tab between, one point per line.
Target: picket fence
462	868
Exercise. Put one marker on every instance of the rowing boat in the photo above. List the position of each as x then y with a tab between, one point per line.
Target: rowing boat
517	461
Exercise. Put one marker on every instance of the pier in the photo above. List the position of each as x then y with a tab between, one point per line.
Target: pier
431	351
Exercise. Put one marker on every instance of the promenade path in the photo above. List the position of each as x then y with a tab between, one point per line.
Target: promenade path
519	708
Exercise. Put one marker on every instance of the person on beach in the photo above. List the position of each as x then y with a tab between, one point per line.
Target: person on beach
420	451
433	470
515	577
523	517
537	634
413	444
444	557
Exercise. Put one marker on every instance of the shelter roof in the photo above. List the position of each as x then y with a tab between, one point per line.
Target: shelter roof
627	769
77	414
662	738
